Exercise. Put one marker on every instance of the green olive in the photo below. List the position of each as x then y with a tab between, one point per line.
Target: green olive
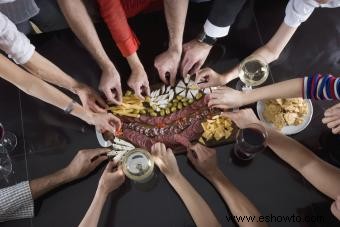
175	101
162	113
178	97
180	106
142	111
185	104
153	114
190	101
167	110
199	95
173	109
147	99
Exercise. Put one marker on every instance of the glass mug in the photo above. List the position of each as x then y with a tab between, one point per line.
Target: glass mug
250	141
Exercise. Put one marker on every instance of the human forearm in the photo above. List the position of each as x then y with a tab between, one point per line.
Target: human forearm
81	24
175	14
270	51
37	88
45	184
319	173
198	208
93	213
238	203
134	62
47	71
286	89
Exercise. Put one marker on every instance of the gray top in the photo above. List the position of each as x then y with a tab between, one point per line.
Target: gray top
19	11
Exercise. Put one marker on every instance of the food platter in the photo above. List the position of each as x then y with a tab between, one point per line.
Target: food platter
174	116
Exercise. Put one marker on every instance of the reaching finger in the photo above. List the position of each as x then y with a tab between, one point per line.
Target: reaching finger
96	108
224	107
119	93
336	130
110	166
146	89
116	122
196	67
173	78
186	68
110	97
100	101
333	124
326	120
99	160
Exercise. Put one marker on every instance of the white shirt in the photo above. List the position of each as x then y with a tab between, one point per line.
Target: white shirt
298	11
17	46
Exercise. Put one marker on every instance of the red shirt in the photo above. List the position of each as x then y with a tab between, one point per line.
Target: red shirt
115	14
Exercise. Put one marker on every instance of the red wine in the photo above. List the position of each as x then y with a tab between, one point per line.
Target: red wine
249	142
253	137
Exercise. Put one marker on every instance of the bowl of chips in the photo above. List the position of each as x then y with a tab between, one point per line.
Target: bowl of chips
290	115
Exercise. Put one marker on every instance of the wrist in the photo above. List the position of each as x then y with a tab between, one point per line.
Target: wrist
67	174
102	191
214	176
173	176
175	47
134	62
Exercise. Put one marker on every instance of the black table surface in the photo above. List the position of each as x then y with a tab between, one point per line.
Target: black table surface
48	139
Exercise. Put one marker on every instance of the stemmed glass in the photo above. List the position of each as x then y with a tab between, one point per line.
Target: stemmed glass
7	139
250	141
5	164
253	71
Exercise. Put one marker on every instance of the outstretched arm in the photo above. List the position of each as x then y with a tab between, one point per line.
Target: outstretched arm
198	208
167	63
204	160
110	180
319	173
81	24
37	88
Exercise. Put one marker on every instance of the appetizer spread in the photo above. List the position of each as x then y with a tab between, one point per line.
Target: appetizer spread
171	115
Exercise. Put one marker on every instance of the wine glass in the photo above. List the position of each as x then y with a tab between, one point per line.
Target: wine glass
5	164
7	139
253	71
250	141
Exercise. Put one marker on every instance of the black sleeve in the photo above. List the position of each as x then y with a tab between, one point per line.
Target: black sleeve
224	12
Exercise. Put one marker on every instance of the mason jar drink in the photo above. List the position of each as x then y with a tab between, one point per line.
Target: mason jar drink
138	165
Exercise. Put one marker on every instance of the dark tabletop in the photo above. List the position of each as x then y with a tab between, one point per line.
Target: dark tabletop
48	139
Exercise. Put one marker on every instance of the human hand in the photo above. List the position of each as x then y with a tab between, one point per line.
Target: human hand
111	179
139	82
110	85
225	98
335	208
204	159
106	122
195	54
332	118
85	162
90	99
208	78
167	65
243	118
165	160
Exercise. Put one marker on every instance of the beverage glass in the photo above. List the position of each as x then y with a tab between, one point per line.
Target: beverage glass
253	71
5	164
138	165
7	139
250	141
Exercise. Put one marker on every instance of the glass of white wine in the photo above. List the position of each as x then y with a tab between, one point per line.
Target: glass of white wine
253	71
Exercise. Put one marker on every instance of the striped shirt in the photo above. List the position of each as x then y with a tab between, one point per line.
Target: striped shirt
321	87
16	202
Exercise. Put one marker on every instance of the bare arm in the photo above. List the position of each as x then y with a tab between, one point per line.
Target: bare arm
175	14
47	71
322	175
205	161
81	24
82	164
198	208
270	51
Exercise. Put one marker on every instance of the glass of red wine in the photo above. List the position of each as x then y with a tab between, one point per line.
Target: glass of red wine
250	141
7	139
